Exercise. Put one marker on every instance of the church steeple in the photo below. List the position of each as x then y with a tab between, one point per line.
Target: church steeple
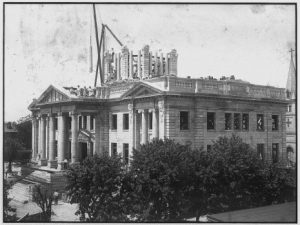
291	81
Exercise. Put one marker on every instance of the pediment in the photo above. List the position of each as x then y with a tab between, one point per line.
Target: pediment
52	94
141	90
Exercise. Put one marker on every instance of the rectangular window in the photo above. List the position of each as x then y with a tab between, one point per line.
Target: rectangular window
211	117
228	121
261	151
126	153
260	122
114	122
245	122
184	120
237	121
114	151
150	117
289	108
275	122
275	148
92	122
125	121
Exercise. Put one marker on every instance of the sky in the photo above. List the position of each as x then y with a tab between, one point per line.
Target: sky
48	44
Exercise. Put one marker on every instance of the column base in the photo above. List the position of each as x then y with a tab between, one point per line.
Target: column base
62	165
42	162
52	164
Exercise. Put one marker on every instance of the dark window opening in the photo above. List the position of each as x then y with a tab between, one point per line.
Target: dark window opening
126	153
92	122
125	121
289	108
275	148
114	122
184	120
261	151
245	122
228	121
114	151
275	122
260	121
237	121
150	117
211	120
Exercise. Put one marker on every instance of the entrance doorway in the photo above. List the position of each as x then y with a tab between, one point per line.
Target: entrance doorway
83	149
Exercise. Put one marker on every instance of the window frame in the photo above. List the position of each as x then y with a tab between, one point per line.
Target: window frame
276	128
263	122
113	149
187	122
276	149
239	121
214	121
259	149
228	121
125	125
114	121
247	121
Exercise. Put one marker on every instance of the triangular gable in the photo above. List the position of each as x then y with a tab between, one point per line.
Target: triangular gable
52	94
140	90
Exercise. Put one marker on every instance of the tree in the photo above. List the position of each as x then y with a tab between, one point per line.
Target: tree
43	198
8	212
24	133
238	179
164	173
11	148
95	185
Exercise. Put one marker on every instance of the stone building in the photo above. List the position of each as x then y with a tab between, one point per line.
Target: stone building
148	101
291	112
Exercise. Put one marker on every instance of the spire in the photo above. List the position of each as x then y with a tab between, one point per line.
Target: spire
291	81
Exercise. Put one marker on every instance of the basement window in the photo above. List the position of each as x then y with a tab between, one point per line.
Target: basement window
184	120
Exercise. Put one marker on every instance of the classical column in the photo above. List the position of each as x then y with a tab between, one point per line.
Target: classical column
131	126
52	163
144	126
137	128
98	135
74	142
47	138
61	142
161	108
42	149
34	138
155	123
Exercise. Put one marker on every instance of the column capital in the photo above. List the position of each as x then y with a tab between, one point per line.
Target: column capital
153	110
142	110
73	113
130	107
